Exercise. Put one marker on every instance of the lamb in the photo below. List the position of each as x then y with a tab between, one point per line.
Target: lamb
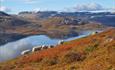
25	52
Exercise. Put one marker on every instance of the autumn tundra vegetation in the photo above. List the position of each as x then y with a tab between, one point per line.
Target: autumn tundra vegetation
94	52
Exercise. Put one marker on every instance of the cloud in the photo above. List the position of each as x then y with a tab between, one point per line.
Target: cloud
30	1
5	9
88	7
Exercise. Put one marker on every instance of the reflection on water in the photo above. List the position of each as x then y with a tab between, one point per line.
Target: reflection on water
13	49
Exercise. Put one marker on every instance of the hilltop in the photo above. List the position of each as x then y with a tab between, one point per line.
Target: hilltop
94	52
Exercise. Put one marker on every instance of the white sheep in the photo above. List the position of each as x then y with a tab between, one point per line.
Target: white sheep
60	42
36	48
93	33
51	46
44	47
25	52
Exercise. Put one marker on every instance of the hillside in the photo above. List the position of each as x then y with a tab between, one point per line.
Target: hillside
106	20
8	24
95	52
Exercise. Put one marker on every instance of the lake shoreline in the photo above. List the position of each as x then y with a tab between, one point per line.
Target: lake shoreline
13	49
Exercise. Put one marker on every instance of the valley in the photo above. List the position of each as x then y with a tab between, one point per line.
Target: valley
54	24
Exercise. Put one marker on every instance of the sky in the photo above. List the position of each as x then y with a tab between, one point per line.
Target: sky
15	6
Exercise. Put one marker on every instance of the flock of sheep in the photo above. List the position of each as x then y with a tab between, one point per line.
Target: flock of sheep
38	48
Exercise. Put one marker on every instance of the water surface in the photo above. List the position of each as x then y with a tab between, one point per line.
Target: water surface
13	49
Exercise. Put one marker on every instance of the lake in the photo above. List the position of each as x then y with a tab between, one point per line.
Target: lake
13	49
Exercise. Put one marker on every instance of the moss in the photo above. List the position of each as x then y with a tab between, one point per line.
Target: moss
49	61
110	68
72	68
70	57
91	48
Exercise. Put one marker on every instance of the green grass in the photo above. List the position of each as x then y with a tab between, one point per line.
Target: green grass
91	48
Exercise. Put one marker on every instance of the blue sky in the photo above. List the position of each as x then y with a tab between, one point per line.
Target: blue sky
15	6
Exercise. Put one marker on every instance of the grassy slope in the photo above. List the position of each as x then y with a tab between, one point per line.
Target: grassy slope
89	53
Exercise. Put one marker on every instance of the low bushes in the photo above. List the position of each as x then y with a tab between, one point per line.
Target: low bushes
72	57
91	48
49	61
